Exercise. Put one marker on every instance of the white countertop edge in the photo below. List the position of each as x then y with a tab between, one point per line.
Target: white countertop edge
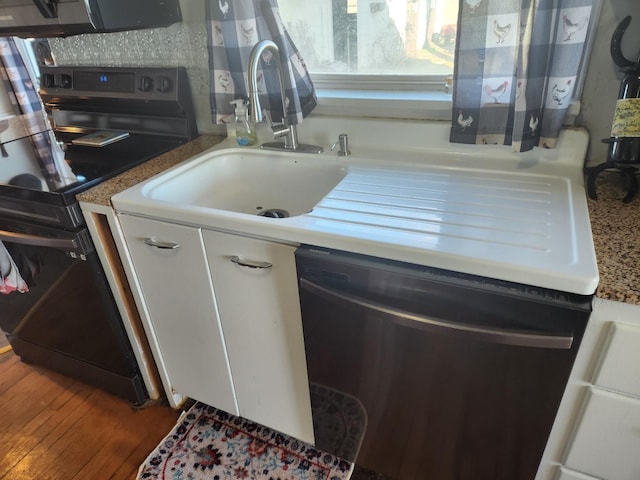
581	279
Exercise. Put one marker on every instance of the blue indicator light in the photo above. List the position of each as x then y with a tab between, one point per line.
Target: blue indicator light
104	79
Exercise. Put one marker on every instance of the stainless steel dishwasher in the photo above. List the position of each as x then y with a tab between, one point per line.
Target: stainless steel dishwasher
460	376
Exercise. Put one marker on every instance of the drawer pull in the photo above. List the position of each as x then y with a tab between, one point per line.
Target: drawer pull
161	245
250	263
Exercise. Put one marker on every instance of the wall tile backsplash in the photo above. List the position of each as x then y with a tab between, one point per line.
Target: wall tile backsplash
181	44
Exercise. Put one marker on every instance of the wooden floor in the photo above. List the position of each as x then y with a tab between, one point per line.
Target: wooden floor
54	428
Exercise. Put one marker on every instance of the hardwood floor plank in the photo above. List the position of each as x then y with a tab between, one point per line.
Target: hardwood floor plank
53	428
103	439
38	451
128	446
41	391
8	376
23	438
18	424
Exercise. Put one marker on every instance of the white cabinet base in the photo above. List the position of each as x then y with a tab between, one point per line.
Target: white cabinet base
260	314
223	333
180	309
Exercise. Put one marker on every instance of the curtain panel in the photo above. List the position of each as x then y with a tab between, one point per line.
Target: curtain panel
234	27
25	99
515	70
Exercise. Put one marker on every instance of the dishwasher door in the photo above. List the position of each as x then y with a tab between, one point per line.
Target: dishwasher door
460	376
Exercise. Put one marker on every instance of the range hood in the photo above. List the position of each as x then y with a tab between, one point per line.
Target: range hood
60	18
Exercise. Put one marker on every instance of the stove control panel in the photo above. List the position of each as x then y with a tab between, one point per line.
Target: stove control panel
56	80
151	100
143	83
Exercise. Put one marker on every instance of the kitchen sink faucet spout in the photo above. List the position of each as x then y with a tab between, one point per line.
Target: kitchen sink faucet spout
289	132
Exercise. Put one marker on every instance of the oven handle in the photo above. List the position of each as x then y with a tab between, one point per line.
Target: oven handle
421	322
38	241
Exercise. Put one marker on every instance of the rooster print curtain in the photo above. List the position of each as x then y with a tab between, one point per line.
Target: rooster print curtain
234	27
23	94
515	70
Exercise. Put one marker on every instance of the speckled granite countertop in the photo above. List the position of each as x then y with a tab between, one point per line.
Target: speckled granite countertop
615	226
616	236
101	194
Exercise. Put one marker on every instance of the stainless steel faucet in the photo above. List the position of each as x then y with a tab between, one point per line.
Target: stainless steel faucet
289	132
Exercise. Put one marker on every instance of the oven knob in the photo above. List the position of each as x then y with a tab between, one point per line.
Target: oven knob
145	84
47	80
62	80
164	84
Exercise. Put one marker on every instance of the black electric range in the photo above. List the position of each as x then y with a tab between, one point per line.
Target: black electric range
60	312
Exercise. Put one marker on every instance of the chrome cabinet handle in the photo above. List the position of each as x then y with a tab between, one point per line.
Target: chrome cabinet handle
250	263
413	320
161	245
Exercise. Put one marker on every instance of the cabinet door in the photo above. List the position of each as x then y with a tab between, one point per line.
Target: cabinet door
179	301
607	438
260	315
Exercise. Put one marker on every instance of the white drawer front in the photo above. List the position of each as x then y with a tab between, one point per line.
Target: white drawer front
619	365
566	474
607	440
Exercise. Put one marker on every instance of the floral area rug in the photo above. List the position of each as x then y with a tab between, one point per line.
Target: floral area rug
339	421
209	444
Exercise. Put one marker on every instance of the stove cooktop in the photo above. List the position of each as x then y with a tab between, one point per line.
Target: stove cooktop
78	168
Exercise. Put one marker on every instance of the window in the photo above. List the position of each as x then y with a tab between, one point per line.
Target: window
385	58
374	44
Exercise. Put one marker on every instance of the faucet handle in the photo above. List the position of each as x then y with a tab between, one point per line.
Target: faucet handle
267	113
343	141
280	129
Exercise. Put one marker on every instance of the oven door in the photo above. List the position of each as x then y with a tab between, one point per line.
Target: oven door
67	320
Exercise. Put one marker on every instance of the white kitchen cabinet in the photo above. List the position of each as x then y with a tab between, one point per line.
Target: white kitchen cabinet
256	288
179	304
603	431
607	438
227	334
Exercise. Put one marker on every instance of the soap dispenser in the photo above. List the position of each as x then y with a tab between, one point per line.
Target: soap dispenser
245	133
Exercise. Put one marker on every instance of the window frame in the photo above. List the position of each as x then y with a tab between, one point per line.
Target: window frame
415	97
373	82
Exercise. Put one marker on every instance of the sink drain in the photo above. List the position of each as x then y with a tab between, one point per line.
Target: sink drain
274	213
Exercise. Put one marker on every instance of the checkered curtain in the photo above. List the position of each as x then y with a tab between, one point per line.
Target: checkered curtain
233	28
24	96
515	70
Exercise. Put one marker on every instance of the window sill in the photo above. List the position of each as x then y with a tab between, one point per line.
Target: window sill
411	105
384	104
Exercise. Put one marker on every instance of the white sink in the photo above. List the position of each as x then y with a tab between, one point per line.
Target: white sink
249	181
449	206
